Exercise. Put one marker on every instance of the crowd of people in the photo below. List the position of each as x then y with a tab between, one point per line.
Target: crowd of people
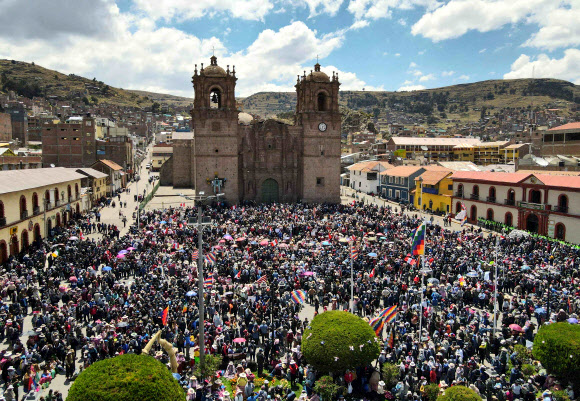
86	300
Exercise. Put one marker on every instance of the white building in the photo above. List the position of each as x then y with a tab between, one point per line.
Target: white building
365	176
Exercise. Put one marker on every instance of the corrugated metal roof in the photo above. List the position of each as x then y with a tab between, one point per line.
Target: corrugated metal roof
92	172
21	180
405	140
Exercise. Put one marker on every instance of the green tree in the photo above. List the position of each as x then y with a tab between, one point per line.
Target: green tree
557	347
459	393
338	340
86	100
155	107
127	377
390	373
212	363
432	391
94	99
326	387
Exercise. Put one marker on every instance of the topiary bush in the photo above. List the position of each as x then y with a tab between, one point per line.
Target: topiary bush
327	342
390	374
459	393
127	377
431	391
326	387
557	347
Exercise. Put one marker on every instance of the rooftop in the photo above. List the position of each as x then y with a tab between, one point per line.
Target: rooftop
402	171
403	140
21	180
566	126
368	166
111	164
91	172
433	177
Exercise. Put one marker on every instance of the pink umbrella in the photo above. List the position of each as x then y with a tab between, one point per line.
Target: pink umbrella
239	340
228	237
307	274
222	241
240	239
120	256
283	245
264	242
72	279
131	248
516	327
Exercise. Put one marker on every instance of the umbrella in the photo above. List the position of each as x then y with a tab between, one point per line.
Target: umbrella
190	294
240	239
177	376
307	274
163	222
372	238
343	240
432	280
120	256
472	274
254	243
123	252
239	340
222	241
31	333
540	311
264	242
283	245
372	254
573	320
123	324
131	248
516	327
72	279
326	243
228	237
107	268
73	238
526	268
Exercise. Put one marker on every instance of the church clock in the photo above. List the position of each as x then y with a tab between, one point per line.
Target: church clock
322	127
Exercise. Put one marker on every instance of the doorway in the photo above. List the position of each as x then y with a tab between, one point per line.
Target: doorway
270	190
532	223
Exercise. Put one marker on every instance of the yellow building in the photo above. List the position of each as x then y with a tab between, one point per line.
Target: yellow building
513	152
489	153
464	153
159	155
95	182
434	189
33	202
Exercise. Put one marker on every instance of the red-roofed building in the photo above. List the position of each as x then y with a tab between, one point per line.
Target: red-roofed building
562	140
547	204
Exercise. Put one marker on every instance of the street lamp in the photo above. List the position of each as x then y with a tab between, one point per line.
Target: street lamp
424	271
199	199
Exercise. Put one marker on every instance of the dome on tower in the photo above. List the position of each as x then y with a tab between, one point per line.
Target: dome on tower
214	70
317	75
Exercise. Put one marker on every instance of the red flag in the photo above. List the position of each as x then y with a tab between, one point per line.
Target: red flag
164	316
372	273
239	274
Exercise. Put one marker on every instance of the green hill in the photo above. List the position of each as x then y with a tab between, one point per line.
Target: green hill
30	80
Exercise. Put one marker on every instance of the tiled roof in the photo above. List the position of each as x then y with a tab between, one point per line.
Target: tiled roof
433	177
547	172
566	126
402	171
369	166
559	180
111	164
21	180
512	178
91	172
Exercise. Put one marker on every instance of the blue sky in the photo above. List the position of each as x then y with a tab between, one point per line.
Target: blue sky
372	44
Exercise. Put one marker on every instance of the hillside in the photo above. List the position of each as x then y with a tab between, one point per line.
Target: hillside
30	80
459	102
170	100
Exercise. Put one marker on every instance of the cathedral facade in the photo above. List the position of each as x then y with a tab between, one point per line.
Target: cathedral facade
265	161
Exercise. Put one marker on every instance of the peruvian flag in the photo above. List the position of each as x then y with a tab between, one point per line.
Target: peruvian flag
274	243
372	273
239	274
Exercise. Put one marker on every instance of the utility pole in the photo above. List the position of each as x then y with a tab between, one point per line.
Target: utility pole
495	306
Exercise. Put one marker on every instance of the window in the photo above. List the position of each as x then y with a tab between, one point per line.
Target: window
320	181
23	207
490	214
491	194
450	187
457	207
390	193
563	204
322	102
473	213
397	194
509	220
476	190
460	190
560	231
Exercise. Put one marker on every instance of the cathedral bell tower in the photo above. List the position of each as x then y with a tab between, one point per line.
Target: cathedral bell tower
318	114
215	124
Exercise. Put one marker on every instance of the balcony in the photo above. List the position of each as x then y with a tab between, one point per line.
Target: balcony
432	191
49	205
2	221
36	210
491	199
474	196
560	209
534	206
23	214
60	202
459	194
509	202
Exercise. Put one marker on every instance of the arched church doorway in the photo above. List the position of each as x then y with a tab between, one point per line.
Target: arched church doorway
532	223
270	191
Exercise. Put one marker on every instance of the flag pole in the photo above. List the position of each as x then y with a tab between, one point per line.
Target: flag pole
351	280
495	306
421	289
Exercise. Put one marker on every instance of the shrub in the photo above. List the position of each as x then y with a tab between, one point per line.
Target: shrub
390	373
330	336
528	370
561	395
211	364
557	347
326	387
459	393
523	354
126	378
431	391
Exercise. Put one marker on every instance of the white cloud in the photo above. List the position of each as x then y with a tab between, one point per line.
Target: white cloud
359	24
376	9
460	16
402	21
559	28
397	54
349	80
426	78
410	88
182	10
482	51
407	82
417	73
447	73
40	19
421	52
464	77
412	65
567	67
316	7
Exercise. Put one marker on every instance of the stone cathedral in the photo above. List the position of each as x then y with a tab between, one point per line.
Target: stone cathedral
264	161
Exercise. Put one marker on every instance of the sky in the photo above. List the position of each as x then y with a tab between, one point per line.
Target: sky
390	45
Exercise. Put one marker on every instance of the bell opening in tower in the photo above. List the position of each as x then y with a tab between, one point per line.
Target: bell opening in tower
215	99
322	102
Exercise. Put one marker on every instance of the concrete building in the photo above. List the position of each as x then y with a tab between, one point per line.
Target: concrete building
96	184
397	183
5	127
70	144
11	161
540	203
32	203
264	161
364	176
561	140
434	190
160	154
434	149
19	121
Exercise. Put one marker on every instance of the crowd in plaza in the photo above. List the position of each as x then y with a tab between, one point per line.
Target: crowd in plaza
89	299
